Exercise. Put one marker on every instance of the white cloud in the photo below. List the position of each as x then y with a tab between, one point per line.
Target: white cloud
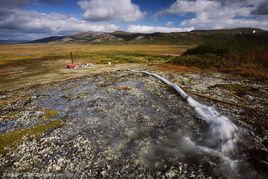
16	21
105	10
151	29
218	14
183	6
169	23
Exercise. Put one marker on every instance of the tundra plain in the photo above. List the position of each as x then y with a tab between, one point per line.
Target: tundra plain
107	121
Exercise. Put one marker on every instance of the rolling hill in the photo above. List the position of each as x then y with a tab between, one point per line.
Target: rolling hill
175	38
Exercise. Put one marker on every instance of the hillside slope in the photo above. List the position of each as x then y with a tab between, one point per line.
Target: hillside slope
175	38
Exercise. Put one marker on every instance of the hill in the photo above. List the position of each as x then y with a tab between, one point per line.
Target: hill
49	39
4	41
175	38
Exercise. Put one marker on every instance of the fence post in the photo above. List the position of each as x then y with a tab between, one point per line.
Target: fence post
72	59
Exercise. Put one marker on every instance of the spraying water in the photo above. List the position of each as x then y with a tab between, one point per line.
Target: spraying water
222	131
221	128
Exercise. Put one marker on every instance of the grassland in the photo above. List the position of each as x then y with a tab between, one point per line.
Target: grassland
29	64
246	54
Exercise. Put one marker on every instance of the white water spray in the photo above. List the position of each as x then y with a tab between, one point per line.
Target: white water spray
189	143
221	129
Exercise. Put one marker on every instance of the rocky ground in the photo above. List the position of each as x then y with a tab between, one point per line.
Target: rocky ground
125	124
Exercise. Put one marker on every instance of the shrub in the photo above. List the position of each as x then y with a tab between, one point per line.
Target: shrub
208	49
200	61
242	50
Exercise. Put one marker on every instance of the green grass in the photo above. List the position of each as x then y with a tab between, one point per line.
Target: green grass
50	114
240	51
12	139
198	61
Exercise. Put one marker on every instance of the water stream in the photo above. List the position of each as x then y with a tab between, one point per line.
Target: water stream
222	132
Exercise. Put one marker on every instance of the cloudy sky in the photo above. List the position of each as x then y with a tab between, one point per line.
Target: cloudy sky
32	19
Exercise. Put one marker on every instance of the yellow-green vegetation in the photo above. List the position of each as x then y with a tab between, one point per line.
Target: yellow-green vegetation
241	51
232	87
3	103
12	139
30	64
80	95
12	114
50	114
10	54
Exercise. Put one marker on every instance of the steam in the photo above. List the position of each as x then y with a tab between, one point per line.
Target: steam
221	128
188	142
222	132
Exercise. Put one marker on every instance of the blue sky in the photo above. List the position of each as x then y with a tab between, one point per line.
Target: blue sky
72	7
32	19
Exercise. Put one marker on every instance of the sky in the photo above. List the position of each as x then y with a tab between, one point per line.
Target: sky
34	19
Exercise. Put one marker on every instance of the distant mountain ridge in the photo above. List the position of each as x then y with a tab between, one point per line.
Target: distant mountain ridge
48	39
121	37
7	41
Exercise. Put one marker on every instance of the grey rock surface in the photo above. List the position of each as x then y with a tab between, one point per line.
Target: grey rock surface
116	125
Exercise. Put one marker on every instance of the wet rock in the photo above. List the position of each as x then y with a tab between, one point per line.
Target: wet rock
122	124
